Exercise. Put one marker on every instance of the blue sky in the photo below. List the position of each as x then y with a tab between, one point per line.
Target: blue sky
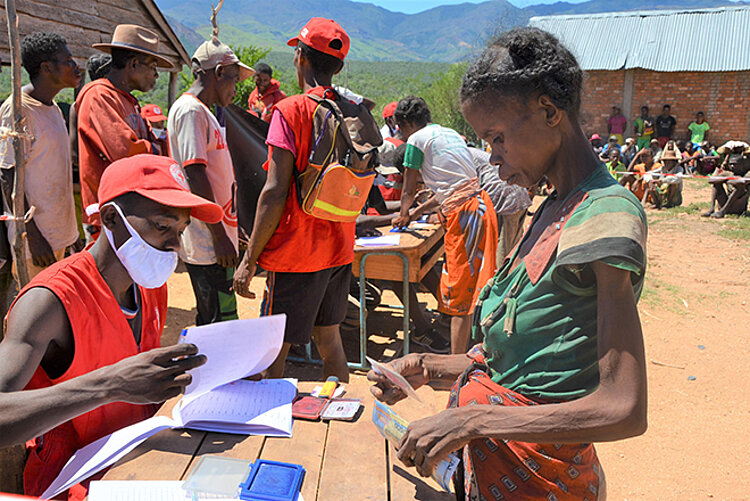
412	6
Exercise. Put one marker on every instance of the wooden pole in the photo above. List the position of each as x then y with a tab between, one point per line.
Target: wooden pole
19	129
174	80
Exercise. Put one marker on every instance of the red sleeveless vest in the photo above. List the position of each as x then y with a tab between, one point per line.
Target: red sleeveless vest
102	337
303	243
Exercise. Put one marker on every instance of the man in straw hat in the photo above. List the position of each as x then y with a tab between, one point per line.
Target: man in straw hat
110	126
96	309
664	183
198	142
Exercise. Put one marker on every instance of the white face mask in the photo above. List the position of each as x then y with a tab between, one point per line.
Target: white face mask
148	266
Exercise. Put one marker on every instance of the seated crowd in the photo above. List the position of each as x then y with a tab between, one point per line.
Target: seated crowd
652	164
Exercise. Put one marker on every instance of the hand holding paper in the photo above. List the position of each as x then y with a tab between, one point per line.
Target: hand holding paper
234	349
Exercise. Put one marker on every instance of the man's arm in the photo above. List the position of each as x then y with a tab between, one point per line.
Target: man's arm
634	161
102	124
226	254
267	216
407	197
37	324
42	254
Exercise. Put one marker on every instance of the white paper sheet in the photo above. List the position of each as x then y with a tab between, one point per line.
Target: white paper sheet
234	349
137	490
146	490
104	452
391	239
244	407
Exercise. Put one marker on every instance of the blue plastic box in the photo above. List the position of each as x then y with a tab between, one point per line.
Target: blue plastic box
273	481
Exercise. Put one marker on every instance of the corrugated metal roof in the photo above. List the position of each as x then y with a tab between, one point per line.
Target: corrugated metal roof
666	40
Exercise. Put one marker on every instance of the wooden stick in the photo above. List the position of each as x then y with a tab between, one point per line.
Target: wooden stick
19	131
656	362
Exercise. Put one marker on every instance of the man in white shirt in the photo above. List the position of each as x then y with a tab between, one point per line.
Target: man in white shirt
48	182
198	142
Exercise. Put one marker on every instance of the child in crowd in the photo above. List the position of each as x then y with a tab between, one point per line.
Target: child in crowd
698	129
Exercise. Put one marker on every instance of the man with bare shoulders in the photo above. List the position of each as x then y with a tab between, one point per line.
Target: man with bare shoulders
83	336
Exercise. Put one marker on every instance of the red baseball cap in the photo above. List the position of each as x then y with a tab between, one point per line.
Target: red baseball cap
157	178
152	113
320	33
389	109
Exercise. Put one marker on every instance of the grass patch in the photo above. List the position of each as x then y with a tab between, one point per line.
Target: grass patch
693	208
736	227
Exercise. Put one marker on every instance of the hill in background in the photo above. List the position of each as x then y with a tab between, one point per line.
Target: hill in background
447	33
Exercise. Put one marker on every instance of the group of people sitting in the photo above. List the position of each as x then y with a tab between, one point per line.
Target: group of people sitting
557	361
652	168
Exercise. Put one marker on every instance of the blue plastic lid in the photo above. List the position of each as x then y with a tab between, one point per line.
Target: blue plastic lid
273	481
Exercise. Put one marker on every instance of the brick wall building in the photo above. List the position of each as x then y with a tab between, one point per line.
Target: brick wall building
723	96
632	59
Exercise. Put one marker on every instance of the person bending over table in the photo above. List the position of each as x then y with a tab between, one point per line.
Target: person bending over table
441	156
79	335
562	363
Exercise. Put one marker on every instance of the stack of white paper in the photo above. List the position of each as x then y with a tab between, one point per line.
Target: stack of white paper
216	400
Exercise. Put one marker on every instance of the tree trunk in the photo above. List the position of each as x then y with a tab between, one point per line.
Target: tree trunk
19	127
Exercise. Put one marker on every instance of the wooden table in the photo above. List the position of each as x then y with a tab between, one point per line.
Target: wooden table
409	262
421	248
344	460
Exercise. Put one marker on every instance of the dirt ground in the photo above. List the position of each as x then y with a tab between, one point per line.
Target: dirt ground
695	321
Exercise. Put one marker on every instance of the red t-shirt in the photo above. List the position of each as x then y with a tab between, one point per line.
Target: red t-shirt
303	243
110	127
102	337
261	106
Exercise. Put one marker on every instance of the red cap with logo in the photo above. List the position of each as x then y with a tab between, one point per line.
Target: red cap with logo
325	35
390	109
152	113
157	178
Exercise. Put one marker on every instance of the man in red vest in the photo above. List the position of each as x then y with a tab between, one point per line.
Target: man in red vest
266	94
96	308
308	260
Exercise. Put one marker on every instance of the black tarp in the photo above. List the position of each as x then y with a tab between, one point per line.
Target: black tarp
246	139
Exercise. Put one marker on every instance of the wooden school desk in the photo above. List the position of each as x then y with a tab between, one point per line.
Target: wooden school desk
416	254
343	460
408	262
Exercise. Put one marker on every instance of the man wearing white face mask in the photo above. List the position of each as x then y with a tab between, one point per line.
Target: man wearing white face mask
95	309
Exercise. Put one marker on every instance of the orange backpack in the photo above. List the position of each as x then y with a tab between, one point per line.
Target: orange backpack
341	169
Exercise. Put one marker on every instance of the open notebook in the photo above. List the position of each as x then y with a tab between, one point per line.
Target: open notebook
218	399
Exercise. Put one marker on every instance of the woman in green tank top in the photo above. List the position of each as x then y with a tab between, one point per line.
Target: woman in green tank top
560	362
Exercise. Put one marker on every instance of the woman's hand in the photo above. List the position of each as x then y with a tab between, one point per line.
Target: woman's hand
429	440
411	367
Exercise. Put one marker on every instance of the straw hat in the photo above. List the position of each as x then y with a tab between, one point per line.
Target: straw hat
137	39
669	153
